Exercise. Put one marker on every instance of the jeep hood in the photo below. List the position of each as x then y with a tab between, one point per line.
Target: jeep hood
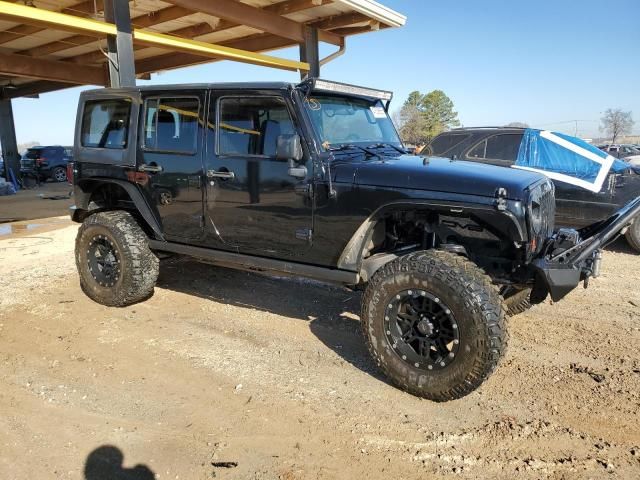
435	174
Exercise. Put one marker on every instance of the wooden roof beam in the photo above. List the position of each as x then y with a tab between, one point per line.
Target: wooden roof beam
23	66
19	31
262	42
33	88
285	7
260	19
339	21
161	16
147	20
169	42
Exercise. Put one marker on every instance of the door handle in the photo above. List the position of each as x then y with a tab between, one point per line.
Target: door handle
150	168
222	174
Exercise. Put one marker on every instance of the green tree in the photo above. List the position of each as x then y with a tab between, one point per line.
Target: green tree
422	117
438	109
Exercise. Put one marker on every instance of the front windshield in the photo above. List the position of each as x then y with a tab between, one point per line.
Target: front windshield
342	121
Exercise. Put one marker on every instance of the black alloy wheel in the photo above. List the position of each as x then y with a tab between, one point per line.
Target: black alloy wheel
103	261
113	258
434	323
422	330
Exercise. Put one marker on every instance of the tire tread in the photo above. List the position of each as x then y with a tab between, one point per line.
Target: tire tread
480	293
141	263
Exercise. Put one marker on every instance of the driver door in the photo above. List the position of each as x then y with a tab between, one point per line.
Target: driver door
254	205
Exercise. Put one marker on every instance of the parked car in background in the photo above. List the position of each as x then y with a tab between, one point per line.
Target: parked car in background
628	153
576	207
46	162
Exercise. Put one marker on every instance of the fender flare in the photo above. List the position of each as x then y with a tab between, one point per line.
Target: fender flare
351	257
81	210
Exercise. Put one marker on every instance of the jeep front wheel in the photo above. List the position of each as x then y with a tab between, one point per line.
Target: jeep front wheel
434	323
113	258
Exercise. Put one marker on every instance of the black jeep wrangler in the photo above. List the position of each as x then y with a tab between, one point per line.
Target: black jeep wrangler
313	180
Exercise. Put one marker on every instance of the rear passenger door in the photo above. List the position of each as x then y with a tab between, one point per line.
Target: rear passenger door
171	141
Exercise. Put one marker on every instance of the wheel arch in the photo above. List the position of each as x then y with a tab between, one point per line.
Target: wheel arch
351	257
122	195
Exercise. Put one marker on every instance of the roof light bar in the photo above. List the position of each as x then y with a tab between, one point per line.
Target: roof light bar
326	86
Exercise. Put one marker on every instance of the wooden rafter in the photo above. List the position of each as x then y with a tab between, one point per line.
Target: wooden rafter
165	15
23	66
147	20
260	19
87	7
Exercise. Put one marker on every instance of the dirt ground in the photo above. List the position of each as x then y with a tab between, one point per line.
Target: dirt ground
231	375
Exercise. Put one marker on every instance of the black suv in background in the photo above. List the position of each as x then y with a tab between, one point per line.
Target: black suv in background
576	207
46	162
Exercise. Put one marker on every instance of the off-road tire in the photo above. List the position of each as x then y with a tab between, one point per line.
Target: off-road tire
475	303
633	235
518	302
138	266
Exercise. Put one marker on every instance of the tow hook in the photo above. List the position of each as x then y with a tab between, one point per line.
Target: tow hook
596	265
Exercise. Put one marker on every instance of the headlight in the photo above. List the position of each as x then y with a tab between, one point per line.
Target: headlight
541	209
535	212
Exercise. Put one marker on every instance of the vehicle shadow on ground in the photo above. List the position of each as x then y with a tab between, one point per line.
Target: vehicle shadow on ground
331	311
106	463
621	246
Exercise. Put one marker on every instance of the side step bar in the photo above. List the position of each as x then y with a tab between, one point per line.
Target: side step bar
253	263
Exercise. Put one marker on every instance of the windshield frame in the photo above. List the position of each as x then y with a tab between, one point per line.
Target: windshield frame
323	145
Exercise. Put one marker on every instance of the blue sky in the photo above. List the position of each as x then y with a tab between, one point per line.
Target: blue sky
500	61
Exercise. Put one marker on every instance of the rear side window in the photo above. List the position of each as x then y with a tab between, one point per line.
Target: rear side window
34	153
498	147
105	123
447	141
171	124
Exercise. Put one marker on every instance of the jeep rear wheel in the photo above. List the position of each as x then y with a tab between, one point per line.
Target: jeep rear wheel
633	235
434	323
113	258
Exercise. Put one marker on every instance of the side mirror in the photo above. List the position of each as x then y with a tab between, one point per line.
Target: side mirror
288	147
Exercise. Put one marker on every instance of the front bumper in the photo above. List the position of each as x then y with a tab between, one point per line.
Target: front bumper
561	270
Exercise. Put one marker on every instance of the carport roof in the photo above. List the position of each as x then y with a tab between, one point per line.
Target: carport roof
38	54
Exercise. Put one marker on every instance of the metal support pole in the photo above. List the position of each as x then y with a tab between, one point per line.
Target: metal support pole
10	153
310	53
122	68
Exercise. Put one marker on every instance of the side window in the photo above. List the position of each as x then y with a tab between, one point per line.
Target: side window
479	151
105	123
498	147
447	141
171	124
251	126
503	147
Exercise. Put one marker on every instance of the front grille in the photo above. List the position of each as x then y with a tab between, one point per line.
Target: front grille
548	209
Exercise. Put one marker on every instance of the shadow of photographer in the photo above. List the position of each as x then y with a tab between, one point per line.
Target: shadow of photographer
105	463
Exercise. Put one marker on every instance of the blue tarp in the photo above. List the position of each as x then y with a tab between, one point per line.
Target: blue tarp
565	158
